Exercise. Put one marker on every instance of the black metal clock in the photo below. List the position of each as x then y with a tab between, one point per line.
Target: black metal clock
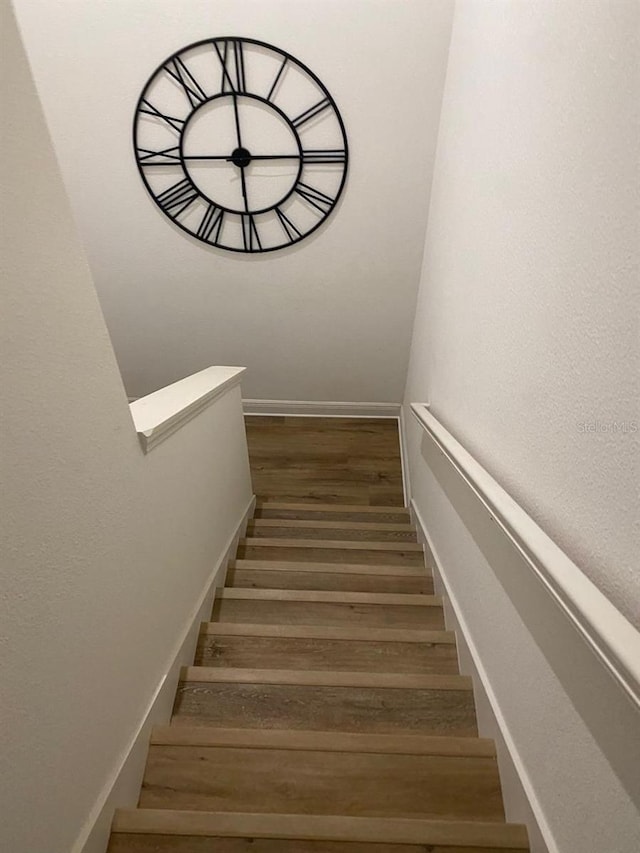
240	144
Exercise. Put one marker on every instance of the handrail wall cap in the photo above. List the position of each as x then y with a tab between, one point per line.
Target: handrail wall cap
607	631
160	414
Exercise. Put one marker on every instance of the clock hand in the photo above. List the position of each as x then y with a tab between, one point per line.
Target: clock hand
237	115
230	159
244	189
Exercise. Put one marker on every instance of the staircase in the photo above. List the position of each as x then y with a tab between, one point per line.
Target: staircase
325	712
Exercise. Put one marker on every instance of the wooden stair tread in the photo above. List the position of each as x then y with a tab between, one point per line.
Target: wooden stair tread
320	632
324	683
292	739
331	568
352	531
319	507
326	648
337	544
326	678
330	597
245	778
487	835
322	701
323	524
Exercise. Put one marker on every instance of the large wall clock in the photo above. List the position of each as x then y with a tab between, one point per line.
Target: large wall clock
240	145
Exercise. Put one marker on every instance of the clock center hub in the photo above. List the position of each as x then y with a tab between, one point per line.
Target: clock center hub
227	145
240	158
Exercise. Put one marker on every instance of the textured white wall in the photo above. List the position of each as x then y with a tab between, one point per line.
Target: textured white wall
105	551
567	735
526	330
327	320
526	333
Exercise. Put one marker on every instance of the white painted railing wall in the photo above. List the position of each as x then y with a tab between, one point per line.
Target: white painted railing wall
556	666
109	553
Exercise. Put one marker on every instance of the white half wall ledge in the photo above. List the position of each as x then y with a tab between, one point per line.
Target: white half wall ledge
615	641
159	415
321	409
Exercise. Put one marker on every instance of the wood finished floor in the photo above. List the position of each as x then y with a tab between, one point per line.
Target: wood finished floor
325	711
326	460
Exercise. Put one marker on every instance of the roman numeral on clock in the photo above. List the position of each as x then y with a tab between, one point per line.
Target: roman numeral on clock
250	236
289	228
324	156
278	76
211	225
173	122
312	112
179	196
181	74
165	157
232	60
314	197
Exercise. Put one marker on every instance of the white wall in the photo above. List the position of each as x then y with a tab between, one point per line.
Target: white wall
527	321
526	329
106	551
329	319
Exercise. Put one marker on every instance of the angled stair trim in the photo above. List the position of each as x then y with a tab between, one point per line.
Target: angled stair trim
124	782
159	415
614	640
469	834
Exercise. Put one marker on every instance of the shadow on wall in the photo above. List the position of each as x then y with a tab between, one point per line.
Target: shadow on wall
606	711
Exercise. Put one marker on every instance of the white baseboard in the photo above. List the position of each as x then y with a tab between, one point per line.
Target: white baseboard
521	803
321	409
123	788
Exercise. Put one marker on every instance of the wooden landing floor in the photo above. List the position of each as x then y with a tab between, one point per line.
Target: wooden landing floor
326	460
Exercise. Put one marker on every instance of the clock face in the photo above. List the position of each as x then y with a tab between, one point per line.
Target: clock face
240	145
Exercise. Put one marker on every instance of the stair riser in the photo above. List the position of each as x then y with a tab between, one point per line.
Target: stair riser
356	784
312	613
319	708
336	655
330	555
331	533
135	843
321	515
261	579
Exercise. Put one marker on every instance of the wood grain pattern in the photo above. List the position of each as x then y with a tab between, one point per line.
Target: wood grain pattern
222	778
331	551
330	581
324	632
300	612
351	568
399	744
327	654
487	835
326	460
123	842
326	708
329	597
356	531
325	712
323	524
389	680
333	544
331	512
